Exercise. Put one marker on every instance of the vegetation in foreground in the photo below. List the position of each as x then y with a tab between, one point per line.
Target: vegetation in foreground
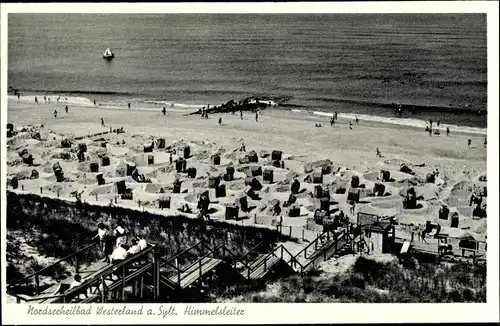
371	281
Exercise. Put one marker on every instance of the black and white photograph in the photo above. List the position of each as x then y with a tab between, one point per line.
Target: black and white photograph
229	158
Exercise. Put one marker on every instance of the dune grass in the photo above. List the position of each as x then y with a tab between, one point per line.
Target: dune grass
369	281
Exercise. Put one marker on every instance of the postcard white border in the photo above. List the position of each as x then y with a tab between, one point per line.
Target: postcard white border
291	313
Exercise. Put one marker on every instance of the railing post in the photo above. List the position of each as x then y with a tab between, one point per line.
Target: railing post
123	283
142	287
77	267
37	284
290	234
103	290
157	271
265	262
303	234
199	264
178	275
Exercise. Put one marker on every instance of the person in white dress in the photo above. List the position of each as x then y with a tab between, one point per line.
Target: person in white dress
121	234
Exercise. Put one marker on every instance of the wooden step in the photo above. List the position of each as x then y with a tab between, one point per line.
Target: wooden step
193	273
260	267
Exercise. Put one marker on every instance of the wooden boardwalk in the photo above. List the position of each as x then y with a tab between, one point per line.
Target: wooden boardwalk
102	282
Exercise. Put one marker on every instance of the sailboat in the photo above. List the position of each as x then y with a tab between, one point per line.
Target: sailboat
108	54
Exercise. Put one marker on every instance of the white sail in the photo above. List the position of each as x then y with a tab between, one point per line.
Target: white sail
107	53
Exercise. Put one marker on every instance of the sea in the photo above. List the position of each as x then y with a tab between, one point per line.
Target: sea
353	64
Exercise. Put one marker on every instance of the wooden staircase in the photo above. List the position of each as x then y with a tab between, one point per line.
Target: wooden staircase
100	280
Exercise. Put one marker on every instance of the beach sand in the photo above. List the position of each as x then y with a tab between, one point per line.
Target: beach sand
352	152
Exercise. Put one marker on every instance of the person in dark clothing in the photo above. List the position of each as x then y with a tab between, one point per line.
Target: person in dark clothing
357	121
241	114
164	111
129	105
257	116
102	122
220	121
55	113
36	100
66	109
447	131
350	125
469	142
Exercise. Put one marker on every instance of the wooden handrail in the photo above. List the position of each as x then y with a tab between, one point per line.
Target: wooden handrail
169	260
21	280
95	279
292	258
249	252
201	258
310	244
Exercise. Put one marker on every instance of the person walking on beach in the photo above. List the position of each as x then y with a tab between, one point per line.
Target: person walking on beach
350	125
484	142
58	98
55	113
430	131
129	105
102	122
257	116
45	99
36	100
220	121
430	121
49	100
66	109
447	131
378	153
164	111
438	122
18	96
469	142
94	102
241	114
335	117
332	121
357	121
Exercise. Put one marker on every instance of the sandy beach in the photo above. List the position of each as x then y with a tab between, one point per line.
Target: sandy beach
351	152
